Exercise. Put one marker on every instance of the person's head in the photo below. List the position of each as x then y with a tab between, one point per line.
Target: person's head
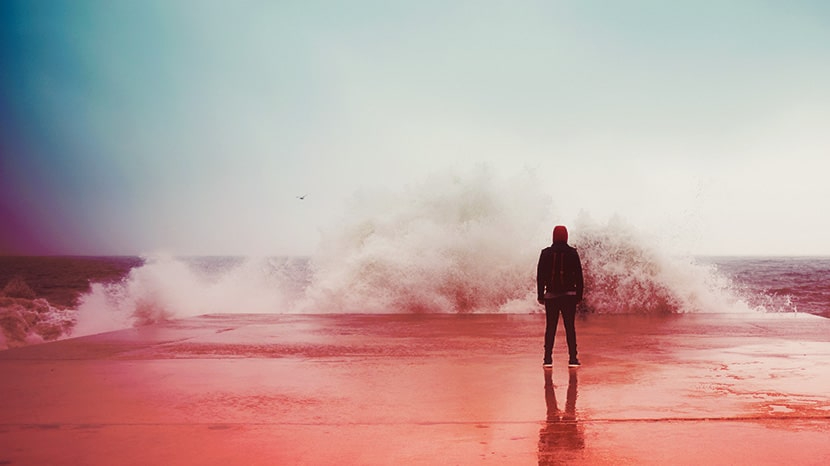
560	234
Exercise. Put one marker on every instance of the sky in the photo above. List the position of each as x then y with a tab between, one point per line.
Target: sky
185	126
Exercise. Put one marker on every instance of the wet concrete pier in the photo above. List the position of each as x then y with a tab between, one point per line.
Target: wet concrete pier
423	389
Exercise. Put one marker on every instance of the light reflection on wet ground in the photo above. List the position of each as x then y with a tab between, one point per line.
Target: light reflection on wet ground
375	389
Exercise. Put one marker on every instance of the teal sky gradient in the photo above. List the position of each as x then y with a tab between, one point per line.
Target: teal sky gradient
190	126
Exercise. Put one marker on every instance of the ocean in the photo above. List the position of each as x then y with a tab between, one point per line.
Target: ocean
49	298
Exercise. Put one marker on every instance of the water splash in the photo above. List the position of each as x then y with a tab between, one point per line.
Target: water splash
26	321
470	244
455	243
450	244
627	273
166	288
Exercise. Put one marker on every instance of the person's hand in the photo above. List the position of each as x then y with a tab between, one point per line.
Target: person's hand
541	301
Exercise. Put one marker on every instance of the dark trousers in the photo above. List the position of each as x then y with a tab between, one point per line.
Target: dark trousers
566	305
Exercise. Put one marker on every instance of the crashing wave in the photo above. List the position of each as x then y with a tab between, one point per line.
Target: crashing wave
456	245
26	321
451	244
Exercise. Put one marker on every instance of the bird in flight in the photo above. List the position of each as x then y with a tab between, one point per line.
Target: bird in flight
302	197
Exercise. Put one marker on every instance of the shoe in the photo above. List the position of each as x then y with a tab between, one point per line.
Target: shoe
573	362
547	365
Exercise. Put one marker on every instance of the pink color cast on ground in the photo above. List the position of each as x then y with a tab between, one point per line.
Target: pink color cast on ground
423	389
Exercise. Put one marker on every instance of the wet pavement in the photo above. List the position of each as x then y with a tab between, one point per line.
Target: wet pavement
424	389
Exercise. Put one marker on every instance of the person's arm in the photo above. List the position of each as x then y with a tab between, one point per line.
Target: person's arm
542	272
580	284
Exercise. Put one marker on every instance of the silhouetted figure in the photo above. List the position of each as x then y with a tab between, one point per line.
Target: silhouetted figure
559	287
561	437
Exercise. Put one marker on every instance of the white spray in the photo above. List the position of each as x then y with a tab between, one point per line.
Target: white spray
453	243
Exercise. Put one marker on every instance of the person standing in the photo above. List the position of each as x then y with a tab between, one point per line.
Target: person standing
559	286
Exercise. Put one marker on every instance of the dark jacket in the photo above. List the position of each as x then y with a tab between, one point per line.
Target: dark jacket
559	272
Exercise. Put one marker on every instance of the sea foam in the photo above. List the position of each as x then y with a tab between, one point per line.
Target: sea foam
471	244
452	243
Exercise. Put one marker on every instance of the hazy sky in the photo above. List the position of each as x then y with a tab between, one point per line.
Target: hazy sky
191	126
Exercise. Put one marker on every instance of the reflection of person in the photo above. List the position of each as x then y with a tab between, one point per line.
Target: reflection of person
559	287
561	437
